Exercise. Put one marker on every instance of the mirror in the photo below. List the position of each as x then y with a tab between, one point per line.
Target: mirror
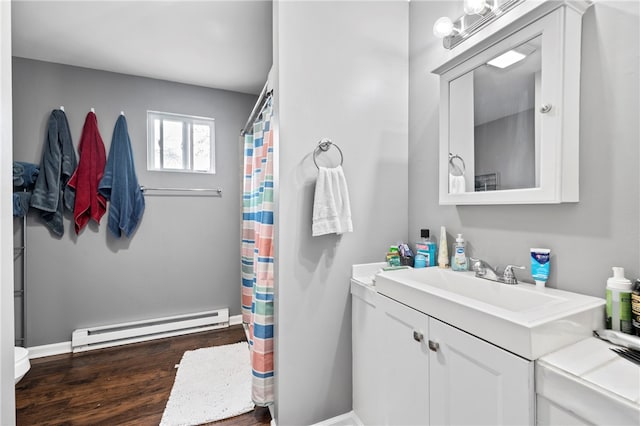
493	144
509	110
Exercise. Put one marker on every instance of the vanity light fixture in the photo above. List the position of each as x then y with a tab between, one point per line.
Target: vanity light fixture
506	59
477	14
443	27
475	7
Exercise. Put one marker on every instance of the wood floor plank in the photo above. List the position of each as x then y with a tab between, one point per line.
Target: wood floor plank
126	385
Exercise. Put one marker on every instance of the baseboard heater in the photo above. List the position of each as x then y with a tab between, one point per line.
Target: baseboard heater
85	339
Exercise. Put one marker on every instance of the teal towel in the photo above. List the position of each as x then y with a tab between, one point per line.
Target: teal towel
51	195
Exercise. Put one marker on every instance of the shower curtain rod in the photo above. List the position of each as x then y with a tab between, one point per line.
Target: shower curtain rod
264	95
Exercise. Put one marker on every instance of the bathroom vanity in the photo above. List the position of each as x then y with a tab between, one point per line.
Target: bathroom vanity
433	346
433	373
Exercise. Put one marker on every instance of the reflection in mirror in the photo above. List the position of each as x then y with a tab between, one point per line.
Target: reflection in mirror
457	170
494	127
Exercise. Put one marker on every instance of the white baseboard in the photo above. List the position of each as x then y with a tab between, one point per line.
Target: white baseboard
347	419
235	320
65	347
49	350
273	417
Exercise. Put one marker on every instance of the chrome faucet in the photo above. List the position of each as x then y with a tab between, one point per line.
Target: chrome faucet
508	276
486	271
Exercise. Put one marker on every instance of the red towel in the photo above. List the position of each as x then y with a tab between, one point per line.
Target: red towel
89	203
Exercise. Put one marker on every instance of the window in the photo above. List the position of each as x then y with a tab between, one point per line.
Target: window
180	143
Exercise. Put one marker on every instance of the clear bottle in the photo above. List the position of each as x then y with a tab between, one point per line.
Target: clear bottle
459	260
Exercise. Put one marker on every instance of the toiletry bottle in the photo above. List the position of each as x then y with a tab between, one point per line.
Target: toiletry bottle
618	305
432	250
420	261
635	307
427	247
459	261
443	253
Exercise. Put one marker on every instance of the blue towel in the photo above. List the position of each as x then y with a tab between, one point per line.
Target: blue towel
51	195
119	184
21	203
24	174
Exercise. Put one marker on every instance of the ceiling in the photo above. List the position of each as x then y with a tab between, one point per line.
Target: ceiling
215	43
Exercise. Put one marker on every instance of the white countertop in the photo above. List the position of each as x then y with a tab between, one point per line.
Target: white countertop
523	319
592	381
365	273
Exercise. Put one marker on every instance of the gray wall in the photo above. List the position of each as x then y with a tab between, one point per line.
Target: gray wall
342	73
586	238
184	256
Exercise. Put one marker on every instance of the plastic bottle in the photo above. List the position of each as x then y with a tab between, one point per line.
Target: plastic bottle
459	261
427	247
635	307
420	261
443	253
618	306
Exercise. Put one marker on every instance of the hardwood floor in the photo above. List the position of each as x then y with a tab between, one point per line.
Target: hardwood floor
126	385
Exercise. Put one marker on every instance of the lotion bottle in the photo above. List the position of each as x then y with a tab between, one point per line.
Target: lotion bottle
443	253
459	261
618	305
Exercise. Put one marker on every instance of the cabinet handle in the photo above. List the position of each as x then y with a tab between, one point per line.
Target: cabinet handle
418	336
545	108
434	346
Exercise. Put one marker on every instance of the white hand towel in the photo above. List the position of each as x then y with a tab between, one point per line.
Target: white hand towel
331	208
456	184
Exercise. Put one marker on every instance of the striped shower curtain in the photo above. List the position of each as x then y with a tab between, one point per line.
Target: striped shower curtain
257	253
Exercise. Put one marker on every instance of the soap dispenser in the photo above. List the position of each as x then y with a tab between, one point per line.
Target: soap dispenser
618	307
459	260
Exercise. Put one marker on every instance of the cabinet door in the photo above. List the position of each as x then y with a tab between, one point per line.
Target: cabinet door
404	369
476	383
365	331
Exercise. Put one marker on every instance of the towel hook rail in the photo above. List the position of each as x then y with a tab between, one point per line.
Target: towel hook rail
323	146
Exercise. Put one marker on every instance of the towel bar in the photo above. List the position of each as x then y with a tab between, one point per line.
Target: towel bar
146	188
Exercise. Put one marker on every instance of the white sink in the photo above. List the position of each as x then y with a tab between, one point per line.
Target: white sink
524	319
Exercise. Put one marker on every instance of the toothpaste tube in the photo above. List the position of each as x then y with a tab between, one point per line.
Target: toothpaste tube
540	265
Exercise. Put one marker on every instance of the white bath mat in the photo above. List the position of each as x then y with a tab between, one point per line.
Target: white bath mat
211	384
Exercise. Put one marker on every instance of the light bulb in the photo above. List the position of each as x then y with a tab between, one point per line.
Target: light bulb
507	59
443	27
474	7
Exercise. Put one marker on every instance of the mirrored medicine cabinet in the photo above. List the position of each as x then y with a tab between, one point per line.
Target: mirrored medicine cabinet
509	107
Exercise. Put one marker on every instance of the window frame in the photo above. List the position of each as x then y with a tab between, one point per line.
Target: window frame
188	121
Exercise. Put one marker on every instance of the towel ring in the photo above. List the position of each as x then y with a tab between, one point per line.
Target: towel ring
324	146
455	167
